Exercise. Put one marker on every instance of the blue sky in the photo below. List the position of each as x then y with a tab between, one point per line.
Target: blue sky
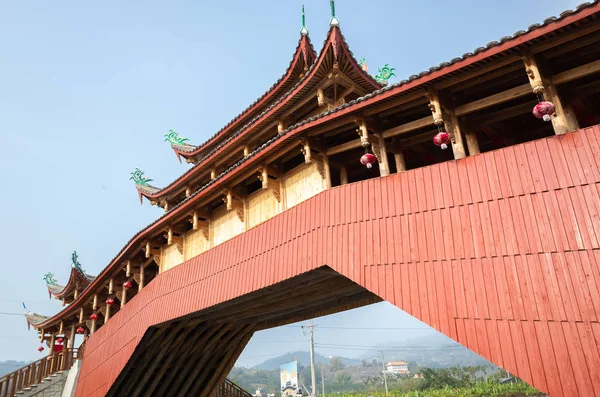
87	91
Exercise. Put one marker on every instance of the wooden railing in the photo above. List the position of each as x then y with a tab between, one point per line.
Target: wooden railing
230	389
36	372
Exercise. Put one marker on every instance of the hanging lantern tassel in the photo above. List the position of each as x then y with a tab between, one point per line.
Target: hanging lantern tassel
544	110
368	159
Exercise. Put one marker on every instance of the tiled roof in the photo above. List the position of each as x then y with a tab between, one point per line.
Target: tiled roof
266	111
371	95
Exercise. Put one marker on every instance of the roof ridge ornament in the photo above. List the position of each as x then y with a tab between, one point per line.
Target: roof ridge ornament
75	262
174	139
49	279
304	30
138	177
333	21
385	73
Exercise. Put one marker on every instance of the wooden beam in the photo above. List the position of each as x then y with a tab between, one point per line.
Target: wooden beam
492	100
344	147
565	37
573	45
504	114
576	73
407	127
487	77
477	71
128	269
306	150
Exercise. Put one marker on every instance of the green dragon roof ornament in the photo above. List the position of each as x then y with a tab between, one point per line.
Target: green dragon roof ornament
75	262
138	178
174	139
49	279
333	21
304	30
385	73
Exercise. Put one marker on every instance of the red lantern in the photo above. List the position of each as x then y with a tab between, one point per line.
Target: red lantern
127	285
110	301
544	110
368	159
442	139
94	316
80	330
59	340
41	349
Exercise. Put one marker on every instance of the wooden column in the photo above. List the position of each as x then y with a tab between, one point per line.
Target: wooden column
448	119
213	173
71	341
81	314
141	283
380	147
123	297
107	315
75	294
343	176
471	138
327	170
95	302
399	159
52	341
93	327
453	127
563	119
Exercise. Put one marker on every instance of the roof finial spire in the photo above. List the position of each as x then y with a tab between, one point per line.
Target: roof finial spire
333	21
304	30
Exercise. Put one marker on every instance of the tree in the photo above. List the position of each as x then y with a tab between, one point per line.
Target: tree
374	362
364	363
343	378
336	364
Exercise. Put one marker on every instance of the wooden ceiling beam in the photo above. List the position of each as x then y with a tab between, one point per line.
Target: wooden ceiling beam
501	97
576	73
407	127
504	114
468	75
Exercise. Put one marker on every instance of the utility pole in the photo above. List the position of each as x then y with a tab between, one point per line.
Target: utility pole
311	328
322	380
383	372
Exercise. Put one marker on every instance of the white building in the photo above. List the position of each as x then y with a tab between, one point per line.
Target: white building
397	367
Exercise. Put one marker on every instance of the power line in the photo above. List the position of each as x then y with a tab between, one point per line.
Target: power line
10	314
367	328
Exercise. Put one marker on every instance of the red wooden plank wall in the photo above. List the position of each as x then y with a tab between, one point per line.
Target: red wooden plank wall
498	251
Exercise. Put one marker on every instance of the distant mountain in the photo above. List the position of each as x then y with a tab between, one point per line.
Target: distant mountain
302	357
6	367
433	350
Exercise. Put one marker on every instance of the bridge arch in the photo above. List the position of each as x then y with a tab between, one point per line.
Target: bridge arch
498	251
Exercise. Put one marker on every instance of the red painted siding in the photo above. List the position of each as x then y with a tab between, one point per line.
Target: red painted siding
498	251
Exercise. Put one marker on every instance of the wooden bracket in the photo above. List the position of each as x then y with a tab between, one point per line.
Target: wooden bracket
435	106
149	251
172	239
234	203
533	72
306	150
267	183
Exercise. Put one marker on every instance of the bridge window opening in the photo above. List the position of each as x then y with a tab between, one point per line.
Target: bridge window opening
363	350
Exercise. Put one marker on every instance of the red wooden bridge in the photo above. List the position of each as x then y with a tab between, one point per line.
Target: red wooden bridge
498	251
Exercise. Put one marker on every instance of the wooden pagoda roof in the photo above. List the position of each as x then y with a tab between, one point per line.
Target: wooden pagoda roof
335	57
568	22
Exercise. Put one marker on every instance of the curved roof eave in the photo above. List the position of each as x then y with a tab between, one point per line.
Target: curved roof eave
334	35
304	52
583	10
